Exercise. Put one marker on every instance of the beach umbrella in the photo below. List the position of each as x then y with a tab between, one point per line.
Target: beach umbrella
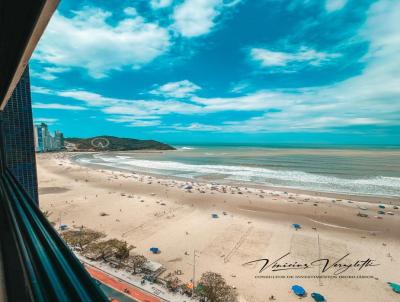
381	206
395	287
214	216
154	250
296	226
318	297
298	290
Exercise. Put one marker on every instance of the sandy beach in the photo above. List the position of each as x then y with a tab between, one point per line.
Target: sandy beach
252	223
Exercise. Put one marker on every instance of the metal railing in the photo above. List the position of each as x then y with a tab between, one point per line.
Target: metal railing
37	263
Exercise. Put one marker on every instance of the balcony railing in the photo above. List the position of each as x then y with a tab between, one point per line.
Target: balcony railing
38	266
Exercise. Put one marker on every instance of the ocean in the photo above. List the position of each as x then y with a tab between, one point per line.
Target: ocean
358	171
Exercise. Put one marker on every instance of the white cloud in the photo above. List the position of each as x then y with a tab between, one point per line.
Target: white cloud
181	89
136	121
370	98
87	40
197	17
240	87
305	118
152	107
195	127
130	11
48	73
49	121
90	98
334	5
56	106
270	58
141	123
258	101
41	90
130	118
135	107
156	4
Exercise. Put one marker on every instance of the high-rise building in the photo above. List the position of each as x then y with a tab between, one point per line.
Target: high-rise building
41	133
59	139
18	137
44	141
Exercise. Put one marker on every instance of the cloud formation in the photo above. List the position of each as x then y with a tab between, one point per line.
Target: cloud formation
369	98
57	106
94	40
157	4
194	18
270	58
181	89
87	40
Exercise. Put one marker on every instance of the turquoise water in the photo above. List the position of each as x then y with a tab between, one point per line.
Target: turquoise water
367	171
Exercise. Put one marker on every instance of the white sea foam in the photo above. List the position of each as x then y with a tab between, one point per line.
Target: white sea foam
380	185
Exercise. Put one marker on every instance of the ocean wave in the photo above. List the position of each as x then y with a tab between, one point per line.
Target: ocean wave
381	185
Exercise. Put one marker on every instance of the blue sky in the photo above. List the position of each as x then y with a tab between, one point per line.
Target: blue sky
266	71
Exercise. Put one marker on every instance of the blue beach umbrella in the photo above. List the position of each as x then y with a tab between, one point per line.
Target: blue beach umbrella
395	287
296	226
382	206
298	290
154	250
318	297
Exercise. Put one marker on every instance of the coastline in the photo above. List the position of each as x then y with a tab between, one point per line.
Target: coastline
146	210
392	200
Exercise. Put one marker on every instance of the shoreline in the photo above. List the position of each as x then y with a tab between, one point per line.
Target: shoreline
392	200
249	224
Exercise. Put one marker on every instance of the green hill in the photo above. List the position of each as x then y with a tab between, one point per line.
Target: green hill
112	143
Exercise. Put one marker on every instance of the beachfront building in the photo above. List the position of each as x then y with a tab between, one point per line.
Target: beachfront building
35	264
59	139
44	141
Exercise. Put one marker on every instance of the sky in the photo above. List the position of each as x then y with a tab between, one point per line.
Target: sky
222	71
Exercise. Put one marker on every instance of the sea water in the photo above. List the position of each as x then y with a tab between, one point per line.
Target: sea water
360	171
